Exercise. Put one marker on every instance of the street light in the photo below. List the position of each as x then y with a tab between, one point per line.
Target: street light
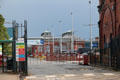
61	40
72	38
53	38
90	34
90	26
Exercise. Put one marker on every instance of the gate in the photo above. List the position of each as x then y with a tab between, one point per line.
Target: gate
36	57
14	59
115	53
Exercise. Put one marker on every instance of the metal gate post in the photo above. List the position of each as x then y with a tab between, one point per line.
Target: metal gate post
14	47
25	39
2	58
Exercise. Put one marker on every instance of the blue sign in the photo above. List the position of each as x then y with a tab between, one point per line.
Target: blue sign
95	44
41	41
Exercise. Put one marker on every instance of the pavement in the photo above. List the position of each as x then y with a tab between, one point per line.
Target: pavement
47	70
86	76
8	76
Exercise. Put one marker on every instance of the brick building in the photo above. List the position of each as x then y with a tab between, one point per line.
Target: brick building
109	26
60	43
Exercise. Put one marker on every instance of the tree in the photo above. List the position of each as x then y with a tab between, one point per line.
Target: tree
3	30
4	35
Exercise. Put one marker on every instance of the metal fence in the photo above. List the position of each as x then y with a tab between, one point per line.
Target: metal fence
95	57
110	56
54	58
115	53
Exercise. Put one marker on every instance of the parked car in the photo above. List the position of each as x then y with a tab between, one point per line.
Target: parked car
83	58
83	50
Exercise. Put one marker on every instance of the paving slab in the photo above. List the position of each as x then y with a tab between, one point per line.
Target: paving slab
8	76
85	76
46	70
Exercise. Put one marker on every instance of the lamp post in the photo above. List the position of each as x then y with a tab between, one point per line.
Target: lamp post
61	46
72	37
90	33
90	26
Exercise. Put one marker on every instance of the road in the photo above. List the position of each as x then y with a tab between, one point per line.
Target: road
46	70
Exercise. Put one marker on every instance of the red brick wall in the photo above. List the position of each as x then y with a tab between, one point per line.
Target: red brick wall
118	16
109	20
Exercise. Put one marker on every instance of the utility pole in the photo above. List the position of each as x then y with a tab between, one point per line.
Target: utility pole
72	37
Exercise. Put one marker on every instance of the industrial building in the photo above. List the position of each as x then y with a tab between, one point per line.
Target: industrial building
49	44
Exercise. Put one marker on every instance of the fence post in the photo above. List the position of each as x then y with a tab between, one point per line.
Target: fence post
14	47
25	39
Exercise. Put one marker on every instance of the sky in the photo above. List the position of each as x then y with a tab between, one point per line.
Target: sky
52	15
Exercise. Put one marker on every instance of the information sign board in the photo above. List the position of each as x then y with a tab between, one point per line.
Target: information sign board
20	50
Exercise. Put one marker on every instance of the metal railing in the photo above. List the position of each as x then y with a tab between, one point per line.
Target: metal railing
109	56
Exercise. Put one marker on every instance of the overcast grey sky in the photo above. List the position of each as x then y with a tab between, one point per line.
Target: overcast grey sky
46	14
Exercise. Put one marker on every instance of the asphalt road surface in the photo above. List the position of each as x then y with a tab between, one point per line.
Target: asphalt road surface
47	70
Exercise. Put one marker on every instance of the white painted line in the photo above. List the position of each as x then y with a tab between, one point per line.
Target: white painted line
69	75
52	79
31	77
50	76
89	74
108	74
